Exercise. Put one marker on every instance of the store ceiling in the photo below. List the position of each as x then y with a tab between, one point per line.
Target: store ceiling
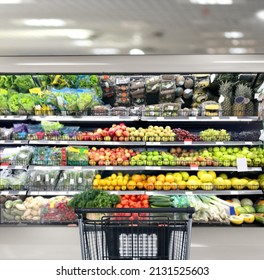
117	26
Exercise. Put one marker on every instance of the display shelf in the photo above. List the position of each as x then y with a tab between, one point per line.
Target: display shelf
14	142
85	118
89	167
199	119
85	143
195	168
13	192
200	143
13	118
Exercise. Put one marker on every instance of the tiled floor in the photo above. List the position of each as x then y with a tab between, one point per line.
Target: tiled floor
63	243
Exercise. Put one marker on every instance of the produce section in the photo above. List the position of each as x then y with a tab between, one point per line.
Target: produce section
186	138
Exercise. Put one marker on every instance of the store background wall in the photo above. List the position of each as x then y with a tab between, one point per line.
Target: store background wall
98	27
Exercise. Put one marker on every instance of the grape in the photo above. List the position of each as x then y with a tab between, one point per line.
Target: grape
182	134
215	135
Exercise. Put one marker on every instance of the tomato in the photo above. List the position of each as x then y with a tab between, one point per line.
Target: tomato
145	201
126	206
145	197
119	205
126	196
124	202
133	198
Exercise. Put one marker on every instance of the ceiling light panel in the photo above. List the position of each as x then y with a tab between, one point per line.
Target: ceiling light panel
212	2
234	35
44	22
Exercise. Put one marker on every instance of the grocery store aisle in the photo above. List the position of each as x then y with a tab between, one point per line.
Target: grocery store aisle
62	243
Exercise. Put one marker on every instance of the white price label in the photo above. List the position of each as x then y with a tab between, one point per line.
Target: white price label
215	118
248	143
80	180
52	142
155	143
3	166
233	118
155	168
39	167
4	192
18	167
192	118
233	192
219	143
187	142
64	142
38	178
189	193
242	164
17	142
2	141
77	167
109	168
160	118
71	181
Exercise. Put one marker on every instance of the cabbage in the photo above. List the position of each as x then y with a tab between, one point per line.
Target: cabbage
246	201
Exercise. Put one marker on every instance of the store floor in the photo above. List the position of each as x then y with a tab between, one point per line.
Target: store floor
47	242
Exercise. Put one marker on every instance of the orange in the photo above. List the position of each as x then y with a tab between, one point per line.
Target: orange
161	178
144	177
149	186
174	186
137	178
151	179
166	186
131	185
169	178
182	185
117	188
158	185
140	185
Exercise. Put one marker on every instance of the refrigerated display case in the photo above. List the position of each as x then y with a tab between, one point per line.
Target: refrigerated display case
154	90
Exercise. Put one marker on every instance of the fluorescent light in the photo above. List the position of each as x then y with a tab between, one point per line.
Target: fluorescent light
136	51
102	51
60	63
10	1
260	14
233	35
79	33
240	61
237	50
83	43
212	2
44	22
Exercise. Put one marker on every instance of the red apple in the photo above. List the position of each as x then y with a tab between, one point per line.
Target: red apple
119	132
101	162
121	138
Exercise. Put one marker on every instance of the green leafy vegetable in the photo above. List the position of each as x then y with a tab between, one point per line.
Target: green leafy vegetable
13	103
24	83
27	102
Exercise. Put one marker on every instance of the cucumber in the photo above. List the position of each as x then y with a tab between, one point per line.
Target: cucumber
162	204
160	197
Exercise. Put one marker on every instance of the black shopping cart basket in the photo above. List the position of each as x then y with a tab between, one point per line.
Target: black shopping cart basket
135	234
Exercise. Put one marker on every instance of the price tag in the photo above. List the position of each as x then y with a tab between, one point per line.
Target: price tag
4	192
192	118
52	142
4	166
155	143
64	142
248	143
21	193
187	142
232	118
160	118
155	167
18	167
242	164
219	143
215	118
38	167
189	193
109	168
194	167
2	141
233	192
77	167
17	142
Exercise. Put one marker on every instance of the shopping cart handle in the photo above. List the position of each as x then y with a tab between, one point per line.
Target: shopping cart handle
188	210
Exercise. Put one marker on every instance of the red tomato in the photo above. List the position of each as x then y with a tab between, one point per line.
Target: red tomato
124	202
119	205
126	206
145	196
133	198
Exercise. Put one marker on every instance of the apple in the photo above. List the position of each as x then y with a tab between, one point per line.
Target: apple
119	132
125	133
121	138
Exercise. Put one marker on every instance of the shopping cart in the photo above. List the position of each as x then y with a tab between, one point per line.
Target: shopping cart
135	234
